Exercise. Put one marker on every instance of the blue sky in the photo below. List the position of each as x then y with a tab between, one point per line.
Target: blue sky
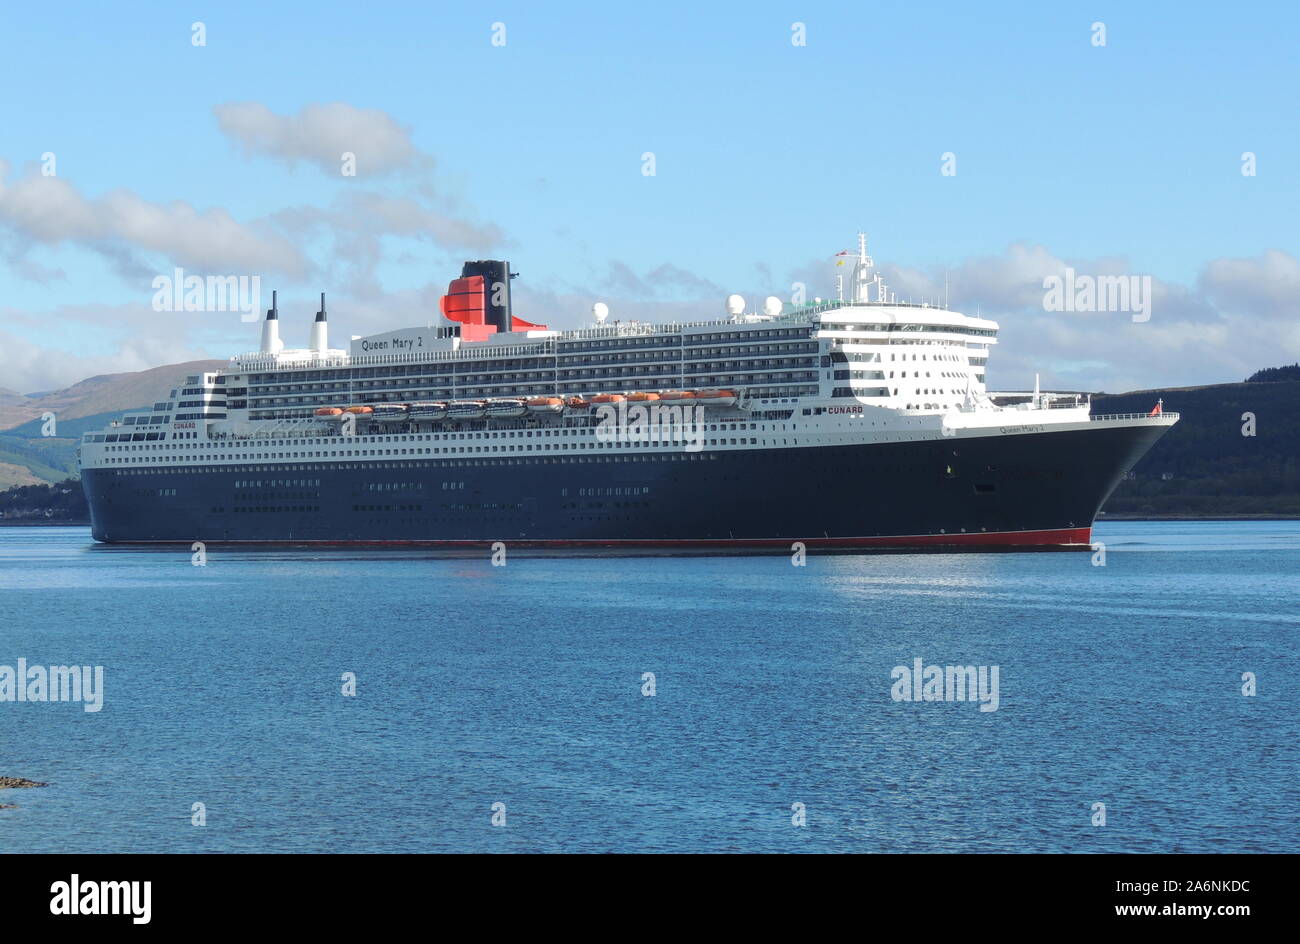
768	156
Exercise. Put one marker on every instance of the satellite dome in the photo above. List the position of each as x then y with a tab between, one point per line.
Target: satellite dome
600	311
772	306
735	305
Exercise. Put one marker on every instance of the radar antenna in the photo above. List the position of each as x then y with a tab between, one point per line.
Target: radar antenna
861	283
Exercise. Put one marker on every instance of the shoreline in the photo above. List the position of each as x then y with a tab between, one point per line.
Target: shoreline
43	523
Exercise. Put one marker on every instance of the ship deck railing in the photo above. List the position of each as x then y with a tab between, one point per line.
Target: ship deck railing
256	361
1103	417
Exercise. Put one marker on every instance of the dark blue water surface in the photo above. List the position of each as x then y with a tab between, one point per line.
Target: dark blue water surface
522	685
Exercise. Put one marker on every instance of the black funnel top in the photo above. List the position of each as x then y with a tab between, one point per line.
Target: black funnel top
496	290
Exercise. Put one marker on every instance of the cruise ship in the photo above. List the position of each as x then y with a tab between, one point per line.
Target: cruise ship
846	423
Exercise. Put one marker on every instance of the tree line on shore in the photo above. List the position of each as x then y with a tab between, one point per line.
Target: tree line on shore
62	501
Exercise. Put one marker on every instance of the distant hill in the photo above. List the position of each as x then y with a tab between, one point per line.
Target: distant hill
10	399
12	475
69	428
1205	466
1275	374
105	393
45	459
32	457
26	456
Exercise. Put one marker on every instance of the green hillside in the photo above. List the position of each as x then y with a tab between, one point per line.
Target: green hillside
46	458
70	429
50	459
1204	466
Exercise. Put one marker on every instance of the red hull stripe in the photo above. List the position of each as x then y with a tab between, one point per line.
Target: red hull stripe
1061	537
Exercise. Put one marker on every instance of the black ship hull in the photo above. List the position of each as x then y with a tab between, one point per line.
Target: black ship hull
1012	490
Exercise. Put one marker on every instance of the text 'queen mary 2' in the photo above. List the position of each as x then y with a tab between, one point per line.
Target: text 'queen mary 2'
861	423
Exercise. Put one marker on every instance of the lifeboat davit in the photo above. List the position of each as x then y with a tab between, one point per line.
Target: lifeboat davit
716	397
608	398
465	409
390	412
641	397
546	405
677	395
359	410
429	410
506	408
329	411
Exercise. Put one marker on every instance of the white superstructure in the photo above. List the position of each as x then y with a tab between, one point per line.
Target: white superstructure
867	369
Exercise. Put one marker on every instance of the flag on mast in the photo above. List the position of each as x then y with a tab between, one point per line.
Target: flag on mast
1158	409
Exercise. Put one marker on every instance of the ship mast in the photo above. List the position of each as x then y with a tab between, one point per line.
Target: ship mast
862	283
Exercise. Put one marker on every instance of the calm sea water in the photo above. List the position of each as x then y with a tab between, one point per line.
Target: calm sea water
522	685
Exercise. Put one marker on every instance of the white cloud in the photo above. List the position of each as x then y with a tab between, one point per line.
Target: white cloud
1240	314
1231	324
28	367
359	225
663	281
321	134
1268	286
1222	329
121	226
1238	317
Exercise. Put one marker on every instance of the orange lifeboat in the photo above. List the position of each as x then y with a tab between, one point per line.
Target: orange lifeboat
359	410
545	405
642	397
576	403
717	397
677	395
329	411
608	398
